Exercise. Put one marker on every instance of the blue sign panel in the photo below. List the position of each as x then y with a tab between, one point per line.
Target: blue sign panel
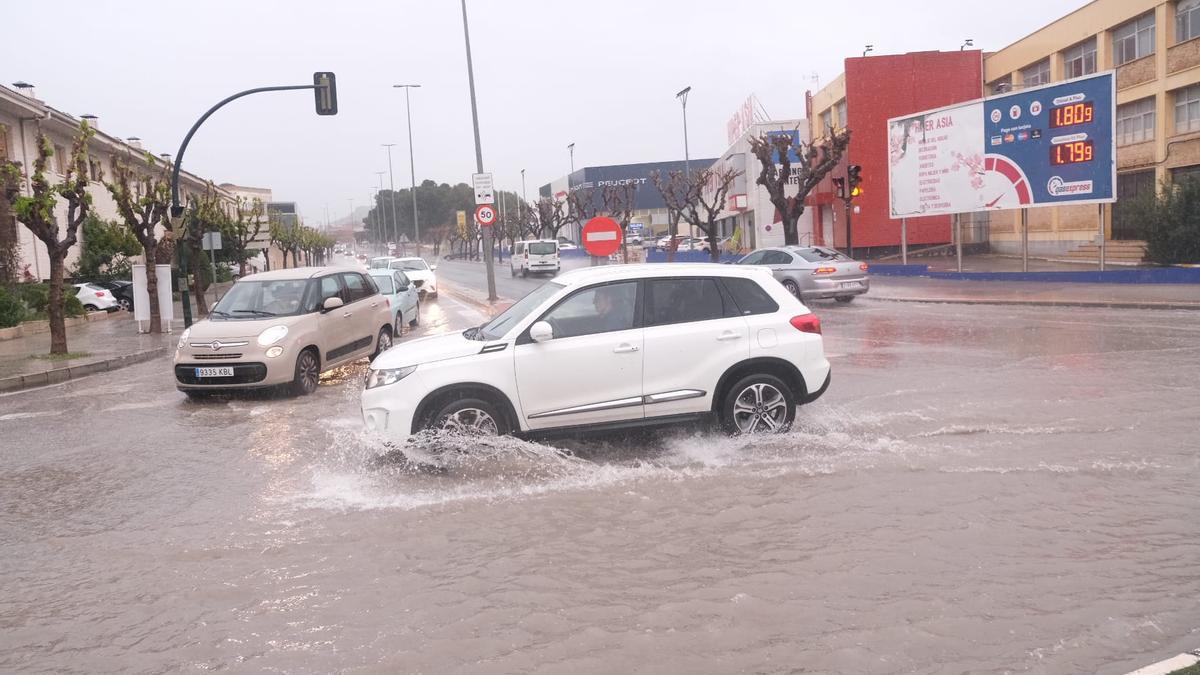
1058	138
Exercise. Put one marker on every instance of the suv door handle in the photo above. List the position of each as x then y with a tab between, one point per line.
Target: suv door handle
728	335
346	315
625	349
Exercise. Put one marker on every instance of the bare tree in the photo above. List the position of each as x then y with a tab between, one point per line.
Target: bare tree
816	160
581	206
36	212
143	200
548	218
707	190
618	202
676	196
244	228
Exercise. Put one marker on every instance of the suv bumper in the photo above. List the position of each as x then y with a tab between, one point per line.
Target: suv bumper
389	410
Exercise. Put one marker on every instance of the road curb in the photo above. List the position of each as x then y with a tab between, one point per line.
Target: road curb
1094	304
1170	665
55	375
465	296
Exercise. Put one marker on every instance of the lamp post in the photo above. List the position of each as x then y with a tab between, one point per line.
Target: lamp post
411	164
687	165
571	149
523	197
383	231
392	196
487	231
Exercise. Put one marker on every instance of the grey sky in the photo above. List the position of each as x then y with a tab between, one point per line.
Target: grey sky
548	72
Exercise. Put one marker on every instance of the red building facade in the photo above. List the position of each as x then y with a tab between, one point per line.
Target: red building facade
874	89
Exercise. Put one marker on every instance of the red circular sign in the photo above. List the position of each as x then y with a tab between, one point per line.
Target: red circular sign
485	214
601	236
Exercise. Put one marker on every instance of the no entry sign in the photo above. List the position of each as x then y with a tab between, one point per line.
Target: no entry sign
485	215
601	236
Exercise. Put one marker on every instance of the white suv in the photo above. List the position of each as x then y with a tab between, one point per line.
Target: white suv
612	346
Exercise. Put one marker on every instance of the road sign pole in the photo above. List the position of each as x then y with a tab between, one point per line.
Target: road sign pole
1101	242
487	232
904	241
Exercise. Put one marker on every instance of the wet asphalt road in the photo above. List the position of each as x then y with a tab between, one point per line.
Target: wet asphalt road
983	489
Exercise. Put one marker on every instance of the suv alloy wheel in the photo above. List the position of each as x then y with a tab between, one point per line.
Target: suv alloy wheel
758	403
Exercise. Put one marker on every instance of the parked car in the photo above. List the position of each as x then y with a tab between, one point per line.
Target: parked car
122	292
814	272
284	327
565	244
402	296
381	262
421	273
96	298
684	243
609	347
722	244
533	256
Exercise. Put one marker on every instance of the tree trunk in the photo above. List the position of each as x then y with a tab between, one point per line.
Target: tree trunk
242	263
55	310
713	249
152	289
672	230
197	282
790	236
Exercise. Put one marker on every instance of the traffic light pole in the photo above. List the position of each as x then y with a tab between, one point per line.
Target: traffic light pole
176	209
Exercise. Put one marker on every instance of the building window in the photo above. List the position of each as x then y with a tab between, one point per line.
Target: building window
96	171
60	160
1133	40
1187	20
1187	109
1135	122
1080	60
1185	173
826	121
1038	73
843	118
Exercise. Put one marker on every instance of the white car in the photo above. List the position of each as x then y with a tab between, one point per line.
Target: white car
610	347
96	298
420	272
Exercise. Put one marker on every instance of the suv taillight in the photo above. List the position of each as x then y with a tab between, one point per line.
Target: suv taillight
864	267
825	270
99	294
807	323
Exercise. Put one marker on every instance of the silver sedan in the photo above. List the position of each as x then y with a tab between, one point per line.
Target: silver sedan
813	272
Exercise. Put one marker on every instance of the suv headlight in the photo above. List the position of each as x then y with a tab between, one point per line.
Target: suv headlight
183	337
385	376
271	335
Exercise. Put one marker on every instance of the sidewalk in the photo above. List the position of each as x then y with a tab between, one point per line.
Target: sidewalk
1035	293
105	345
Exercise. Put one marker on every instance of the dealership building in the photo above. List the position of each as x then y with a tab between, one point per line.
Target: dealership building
1153	47
649	208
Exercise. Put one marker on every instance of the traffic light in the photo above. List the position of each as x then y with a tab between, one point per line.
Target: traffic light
325	88
839	187
855	179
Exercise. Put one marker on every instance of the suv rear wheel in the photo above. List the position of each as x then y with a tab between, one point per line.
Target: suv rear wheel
470	415
758	404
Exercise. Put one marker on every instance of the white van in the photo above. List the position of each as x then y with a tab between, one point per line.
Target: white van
534	255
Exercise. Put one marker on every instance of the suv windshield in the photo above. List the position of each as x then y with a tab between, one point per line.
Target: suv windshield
497	327
256	299
417	265
542	248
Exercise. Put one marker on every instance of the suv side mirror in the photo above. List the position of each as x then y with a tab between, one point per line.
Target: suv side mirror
541	332
331	304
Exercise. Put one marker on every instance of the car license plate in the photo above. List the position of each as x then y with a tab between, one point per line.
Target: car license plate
850	284
214	372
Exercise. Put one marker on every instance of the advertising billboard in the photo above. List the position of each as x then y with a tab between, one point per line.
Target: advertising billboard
1042	146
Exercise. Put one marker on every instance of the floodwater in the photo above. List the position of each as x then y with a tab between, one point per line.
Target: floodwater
983	489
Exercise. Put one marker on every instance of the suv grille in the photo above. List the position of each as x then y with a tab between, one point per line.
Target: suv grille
214	357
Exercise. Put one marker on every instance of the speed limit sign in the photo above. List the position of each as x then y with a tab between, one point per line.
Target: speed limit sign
485	215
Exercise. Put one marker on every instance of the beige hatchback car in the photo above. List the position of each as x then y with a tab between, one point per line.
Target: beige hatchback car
284	327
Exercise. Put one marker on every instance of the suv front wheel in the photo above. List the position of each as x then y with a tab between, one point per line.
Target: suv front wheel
758	404
470	415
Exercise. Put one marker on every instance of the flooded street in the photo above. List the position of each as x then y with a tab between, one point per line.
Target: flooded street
983	489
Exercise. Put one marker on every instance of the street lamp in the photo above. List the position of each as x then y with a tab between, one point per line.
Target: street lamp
383	231
392	196
967	43
868	49
687	165
487	231
523	198
571	149
411	164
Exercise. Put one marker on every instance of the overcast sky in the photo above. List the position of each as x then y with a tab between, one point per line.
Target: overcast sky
548	72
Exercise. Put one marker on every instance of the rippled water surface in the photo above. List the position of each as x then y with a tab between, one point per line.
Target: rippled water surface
982	490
